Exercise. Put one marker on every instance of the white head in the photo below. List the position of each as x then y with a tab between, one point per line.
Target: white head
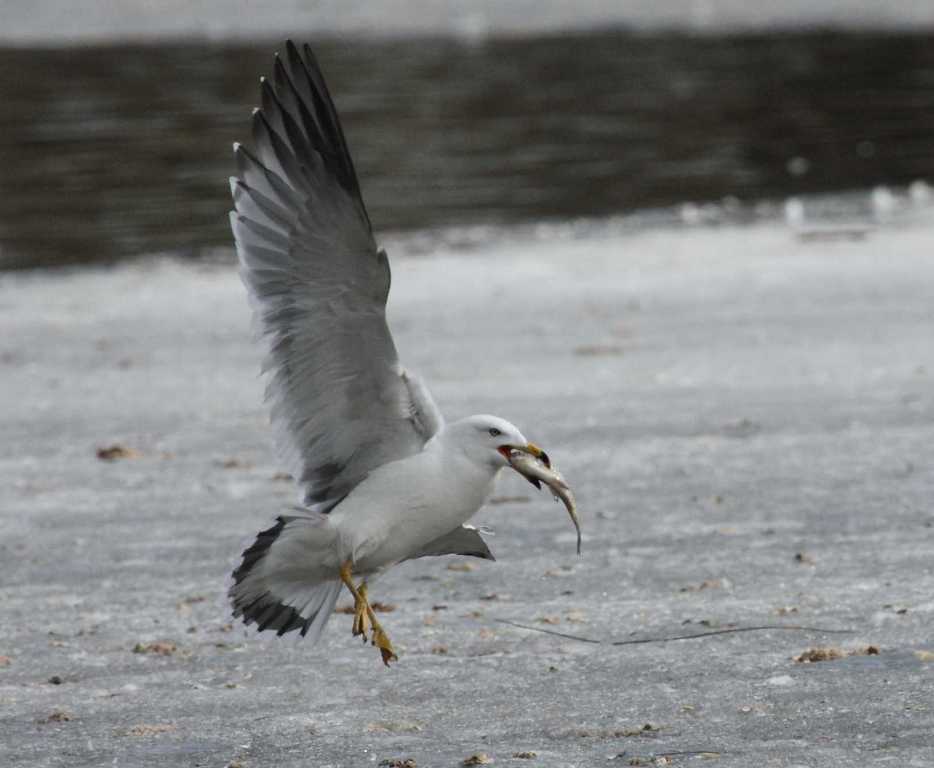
490	439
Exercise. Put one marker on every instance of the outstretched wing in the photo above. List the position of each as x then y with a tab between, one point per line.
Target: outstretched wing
341	401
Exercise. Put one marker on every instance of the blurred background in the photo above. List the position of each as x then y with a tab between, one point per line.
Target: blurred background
463	118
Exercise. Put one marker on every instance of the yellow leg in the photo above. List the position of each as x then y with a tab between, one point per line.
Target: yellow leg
379	638
361	620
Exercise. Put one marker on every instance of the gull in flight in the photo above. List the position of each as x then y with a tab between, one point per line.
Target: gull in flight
383	477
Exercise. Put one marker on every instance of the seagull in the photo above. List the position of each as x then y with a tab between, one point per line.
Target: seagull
383	477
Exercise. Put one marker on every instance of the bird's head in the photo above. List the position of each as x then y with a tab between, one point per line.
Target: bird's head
490	440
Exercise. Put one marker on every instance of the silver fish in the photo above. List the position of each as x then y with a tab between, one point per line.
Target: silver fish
534	470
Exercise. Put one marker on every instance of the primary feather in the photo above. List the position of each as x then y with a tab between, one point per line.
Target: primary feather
342	403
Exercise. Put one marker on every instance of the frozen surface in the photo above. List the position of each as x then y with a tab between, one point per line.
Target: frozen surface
747	418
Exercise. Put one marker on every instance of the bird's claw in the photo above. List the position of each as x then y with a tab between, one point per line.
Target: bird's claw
364	620
361	619
361	622
381	641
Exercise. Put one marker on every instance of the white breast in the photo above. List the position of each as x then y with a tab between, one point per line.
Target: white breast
403	505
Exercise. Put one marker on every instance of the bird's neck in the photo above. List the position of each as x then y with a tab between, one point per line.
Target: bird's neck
449	446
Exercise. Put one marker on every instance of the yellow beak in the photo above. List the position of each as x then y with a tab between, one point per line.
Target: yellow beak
537	452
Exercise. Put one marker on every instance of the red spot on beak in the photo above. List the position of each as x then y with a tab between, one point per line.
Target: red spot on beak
505	450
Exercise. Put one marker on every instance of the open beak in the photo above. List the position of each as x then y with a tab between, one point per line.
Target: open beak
530	448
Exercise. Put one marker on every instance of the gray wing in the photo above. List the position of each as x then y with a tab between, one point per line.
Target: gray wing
341	401
463	540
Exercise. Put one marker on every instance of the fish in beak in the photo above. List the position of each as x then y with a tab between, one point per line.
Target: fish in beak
533	464
531	449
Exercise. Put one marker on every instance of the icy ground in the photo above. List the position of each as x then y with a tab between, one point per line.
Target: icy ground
748	420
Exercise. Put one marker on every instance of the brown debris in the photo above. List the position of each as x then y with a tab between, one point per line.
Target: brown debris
644	731
146	729
159	648
395	726
480	758
192	600
529	755
5	661
813	655
183	606
233	462
117	451
597	350
283	477
59	716
561	571
439	650
707	584
804	558
398	762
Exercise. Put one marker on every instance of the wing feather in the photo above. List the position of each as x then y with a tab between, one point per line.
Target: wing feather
340	400
463	540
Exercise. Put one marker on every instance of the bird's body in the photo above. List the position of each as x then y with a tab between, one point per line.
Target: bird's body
390	516
383	477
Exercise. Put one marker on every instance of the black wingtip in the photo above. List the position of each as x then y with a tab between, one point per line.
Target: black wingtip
257	549
265	611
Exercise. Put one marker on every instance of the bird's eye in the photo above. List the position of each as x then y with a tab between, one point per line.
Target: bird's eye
494	432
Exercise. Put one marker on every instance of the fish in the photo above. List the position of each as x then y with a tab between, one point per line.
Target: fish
538	471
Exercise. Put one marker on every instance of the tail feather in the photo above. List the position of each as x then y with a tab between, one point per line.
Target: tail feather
329	594
285	580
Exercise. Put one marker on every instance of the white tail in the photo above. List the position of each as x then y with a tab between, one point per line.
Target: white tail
288	577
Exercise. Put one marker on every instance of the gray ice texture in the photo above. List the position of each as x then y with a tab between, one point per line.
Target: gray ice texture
746	415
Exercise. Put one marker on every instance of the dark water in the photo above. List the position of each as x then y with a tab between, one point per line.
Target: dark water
110	152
